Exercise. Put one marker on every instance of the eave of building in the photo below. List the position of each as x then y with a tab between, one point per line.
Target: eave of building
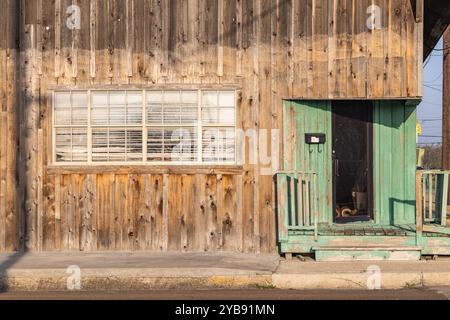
436	21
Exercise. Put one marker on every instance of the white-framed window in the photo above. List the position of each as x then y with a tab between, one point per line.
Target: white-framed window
144	126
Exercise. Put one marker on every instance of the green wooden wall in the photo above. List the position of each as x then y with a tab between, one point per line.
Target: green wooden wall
394	155
395	162
301	117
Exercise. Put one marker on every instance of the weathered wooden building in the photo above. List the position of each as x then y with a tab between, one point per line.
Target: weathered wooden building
123	123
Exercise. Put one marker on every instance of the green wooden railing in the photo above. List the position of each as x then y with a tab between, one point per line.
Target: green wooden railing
297	203
432	199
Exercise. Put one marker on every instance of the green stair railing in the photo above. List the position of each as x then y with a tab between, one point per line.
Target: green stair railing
298	203
432	198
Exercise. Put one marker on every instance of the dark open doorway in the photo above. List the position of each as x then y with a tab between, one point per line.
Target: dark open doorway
352	161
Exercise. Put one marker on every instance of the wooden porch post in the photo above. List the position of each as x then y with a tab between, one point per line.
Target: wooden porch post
419	207
446	105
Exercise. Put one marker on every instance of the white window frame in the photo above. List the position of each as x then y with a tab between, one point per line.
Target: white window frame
199	126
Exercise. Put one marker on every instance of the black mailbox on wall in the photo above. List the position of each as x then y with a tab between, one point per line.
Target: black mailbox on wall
315	138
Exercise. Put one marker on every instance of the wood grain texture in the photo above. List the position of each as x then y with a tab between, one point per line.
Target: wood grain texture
269	50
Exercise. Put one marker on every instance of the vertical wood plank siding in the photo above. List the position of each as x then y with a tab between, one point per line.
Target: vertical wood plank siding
269	49
11	231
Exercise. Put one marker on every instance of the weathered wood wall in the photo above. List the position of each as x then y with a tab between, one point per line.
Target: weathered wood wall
179	212
10	221
269	49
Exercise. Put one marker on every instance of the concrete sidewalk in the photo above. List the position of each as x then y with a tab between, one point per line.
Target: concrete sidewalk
152	271
136	271
355	275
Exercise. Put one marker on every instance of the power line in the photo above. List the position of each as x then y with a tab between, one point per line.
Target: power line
443	49
436	79
432	103
427	61
433	88
430	120
431	136
437	49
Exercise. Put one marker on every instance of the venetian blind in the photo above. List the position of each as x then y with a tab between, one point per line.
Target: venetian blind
145	126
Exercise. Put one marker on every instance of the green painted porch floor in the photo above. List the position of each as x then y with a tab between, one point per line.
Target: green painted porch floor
360	230
367	230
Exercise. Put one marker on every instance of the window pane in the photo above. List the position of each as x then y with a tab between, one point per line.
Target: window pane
63	145
172	114
190	97
100	98
100	115
134	97
134	145
172	97
100	145
79	99
134	108
189	114
134	114
79	115
155	144
218	108
63	115
218	116
227	116
100	111
210	99
210	115
79	145
70	109
154	97
117	115
116	145
62	99
71	145
219	145
177	108
117	98
226	99
172	145
155	114
180	145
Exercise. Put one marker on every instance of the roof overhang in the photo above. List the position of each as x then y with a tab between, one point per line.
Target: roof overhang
436	20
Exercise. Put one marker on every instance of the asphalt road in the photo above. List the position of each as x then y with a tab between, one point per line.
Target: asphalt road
268	294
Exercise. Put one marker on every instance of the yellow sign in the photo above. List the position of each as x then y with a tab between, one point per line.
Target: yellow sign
419	128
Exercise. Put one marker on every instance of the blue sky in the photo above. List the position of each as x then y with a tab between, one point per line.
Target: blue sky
430	110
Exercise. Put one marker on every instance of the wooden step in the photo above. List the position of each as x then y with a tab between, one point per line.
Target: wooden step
436	229
367	253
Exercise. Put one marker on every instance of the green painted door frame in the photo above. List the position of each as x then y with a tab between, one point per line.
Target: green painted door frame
394	153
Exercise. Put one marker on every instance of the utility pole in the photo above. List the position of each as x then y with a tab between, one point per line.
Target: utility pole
446	105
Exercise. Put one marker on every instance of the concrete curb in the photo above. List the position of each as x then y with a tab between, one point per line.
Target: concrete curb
360	275
138	279
95	280
389	280
295	276
344	281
